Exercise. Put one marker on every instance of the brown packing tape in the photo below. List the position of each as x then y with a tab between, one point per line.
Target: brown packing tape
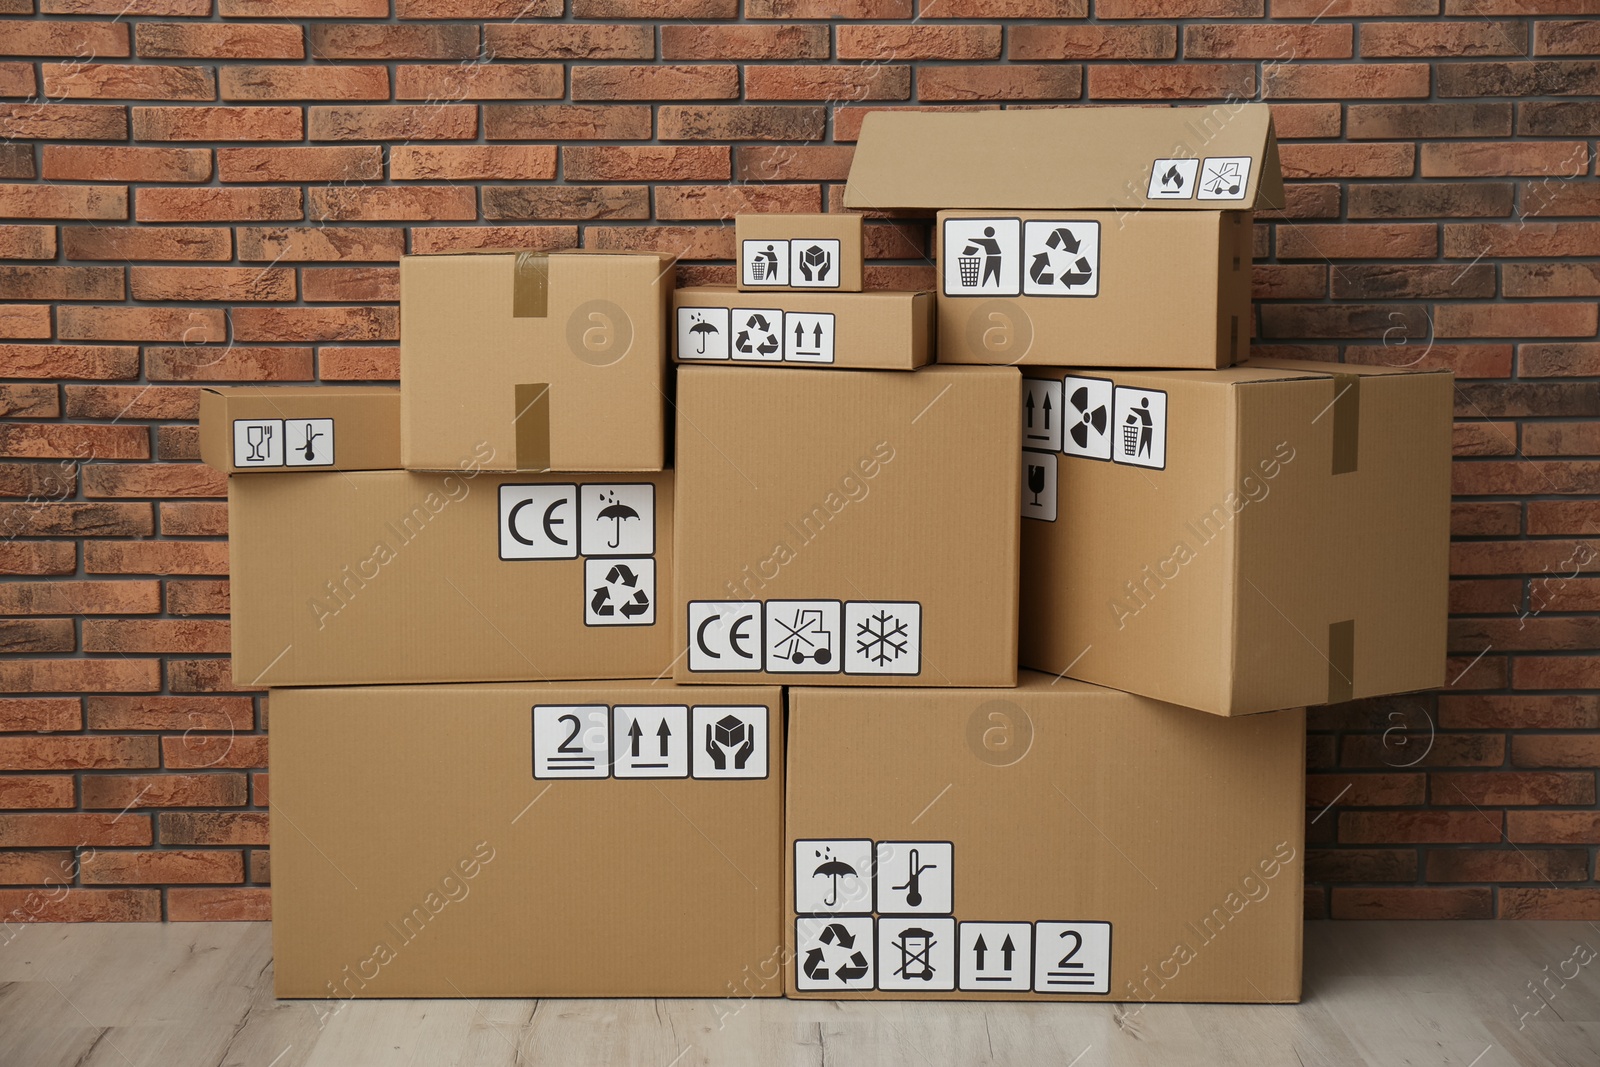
530	286
1341	660
531	418
1346	423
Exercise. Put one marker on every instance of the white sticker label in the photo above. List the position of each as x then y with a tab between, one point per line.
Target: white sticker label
1172	179
1139	419
915	878
1041	414
883	637
982	257
730	742
916	953
571	741
758	334
833	877
619	592
650	741
1087	417
258	442
1224	177
702	333
1072	957
833	953
814	264
808	337
1061	257
724	635
803	636
310	442
538	522
996	957
764	263
618	520
1039	476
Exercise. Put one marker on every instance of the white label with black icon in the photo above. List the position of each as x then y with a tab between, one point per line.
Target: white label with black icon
310	442
729	741
538	521
1060	257
916	878
1039	478
833	953
1224	177
833	877
571	741
724	635
618	519
619	592
802	636
703	333
982	257
764	263
996	957
916	953
258	442
1041	414
1173	179
814	264
758	334
882	637
650	741
1086	429
808	337
1139	428
1072	957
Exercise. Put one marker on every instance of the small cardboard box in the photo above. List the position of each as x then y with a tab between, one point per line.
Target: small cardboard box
1263	536
879	330
1082	236
300	427
1057	841
424	844
557	359
857	528
799	252
394	576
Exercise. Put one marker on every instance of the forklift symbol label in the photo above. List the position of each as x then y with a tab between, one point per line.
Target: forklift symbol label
917	954
914	878
729	742
803	636
1224	178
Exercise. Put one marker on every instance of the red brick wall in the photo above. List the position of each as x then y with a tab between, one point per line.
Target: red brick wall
194	194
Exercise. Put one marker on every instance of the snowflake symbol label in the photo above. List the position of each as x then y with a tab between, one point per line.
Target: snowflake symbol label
885	637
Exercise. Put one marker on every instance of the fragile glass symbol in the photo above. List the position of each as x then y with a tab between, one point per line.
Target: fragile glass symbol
258	437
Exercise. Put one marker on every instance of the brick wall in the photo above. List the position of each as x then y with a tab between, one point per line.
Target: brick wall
219	194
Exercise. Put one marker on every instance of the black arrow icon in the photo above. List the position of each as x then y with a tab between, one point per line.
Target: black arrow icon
1084	271
1029	403
819	334
856	969
1046	408
814	966
799	334
637	606
633	738
980	947
601	603
1040	271
1061	237
1006	949
621	572
663	733
837	934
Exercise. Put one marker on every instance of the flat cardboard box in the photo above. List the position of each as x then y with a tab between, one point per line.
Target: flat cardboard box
857	528
1103	846
799	253
878	330
421	849
557	359
289	428
1265	536
393	576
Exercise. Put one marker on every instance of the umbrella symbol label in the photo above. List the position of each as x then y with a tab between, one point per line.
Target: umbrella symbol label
833	877
808	337
702	333
729	741
618	520
619	592
1172	179
1224	178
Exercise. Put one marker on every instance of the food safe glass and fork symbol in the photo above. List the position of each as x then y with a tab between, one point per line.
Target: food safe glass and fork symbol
259	437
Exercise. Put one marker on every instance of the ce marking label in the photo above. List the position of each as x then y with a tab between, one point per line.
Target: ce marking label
724	635
538	522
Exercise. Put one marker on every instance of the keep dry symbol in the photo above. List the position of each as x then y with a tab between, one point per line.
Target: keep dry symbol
832	869
701	330
617	512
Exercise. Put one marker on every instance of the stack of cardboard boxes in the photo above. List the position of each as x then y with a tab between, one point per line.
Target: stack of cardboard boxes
558	711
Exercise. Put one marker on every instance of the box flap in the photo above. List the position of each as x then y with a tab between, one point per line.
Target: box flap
1210	159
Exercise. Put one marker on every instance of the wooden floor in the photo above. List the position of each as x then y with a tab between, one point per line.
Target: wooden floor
1376	993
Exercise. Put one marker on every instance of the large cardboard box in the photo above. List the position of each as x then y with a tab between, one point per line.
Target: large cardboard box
1082	236
799	252
557	359
879	330
504	841
857	528
1057	841
1263	536
300	428
391	576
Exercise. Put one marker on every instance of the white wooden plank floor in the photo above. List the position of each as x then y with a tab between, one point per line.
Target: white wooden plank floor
1418	994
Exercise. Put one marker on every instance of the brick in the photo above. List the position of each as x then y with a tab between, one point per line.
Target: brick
1507	865
144	81
343	285
302	244
1483	439
125	8
105	40
76	829
769	163
1487	519
261	862
177	444
1559	360
132	402
612	163
293	9
102	480
1380	281
16	161
1338	81
566	202
1396	749
1416	827
1411	903
193	518
656	9
1566	38
316	324
1562	439
197	750
40	715
563	122
237	203
202	676
1369	241
1314	9
75	518
1446	39
1289	281
457	238
76	122
59	753
480	81
33	868
19	636
1565	159
1387	121
1556	750
1348	161
571	42
725	201
1534	712
217	124
1431	200
304	83
1537	78
1361	865
394	122
61	283
747	42
114	164
901	43
1033	42
1526	902
362	364
212	827
154	557
1013	81
481	9
1512	789
27	242
185	243
63	441
68	361
1555	239
155	635
379	42
81	905
232	363
666	82
841	9
1364	790
183	40
38	557
1277	42
211	283
64	201
685	242
170	713
359	163
1515	320
242	904
1550	279
22	791
847	120
1553	827
16	79
196	597
35	400
161	867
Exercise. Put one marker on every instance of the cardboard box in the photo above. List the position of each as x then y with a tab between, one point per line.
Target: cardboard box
1103	846
880	330
857	528
1082	236
1263	536
390	576
300	428
422	846
557	359
799	252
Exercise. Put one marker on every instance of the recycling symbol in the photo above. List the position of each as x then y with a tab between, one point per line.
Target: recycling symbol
1078	273
837	942
760	338
1063	259
620	593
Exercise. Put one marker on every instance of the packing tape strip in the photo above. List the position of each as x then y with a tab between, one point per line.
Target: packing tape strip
1341	661
1346	423
530	286
531	422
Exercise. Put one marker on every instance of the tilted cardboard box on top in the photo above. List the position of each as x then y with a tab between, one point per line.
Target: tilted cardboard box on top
1263	536
1082	236
534	840
853	528
300	427
1057	841
879	330
393	576
557	359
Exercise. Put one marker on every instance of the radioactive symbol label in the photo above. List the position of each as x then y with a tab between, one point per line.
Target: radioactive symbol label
1172	179
619	592
1060	257
1086	417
